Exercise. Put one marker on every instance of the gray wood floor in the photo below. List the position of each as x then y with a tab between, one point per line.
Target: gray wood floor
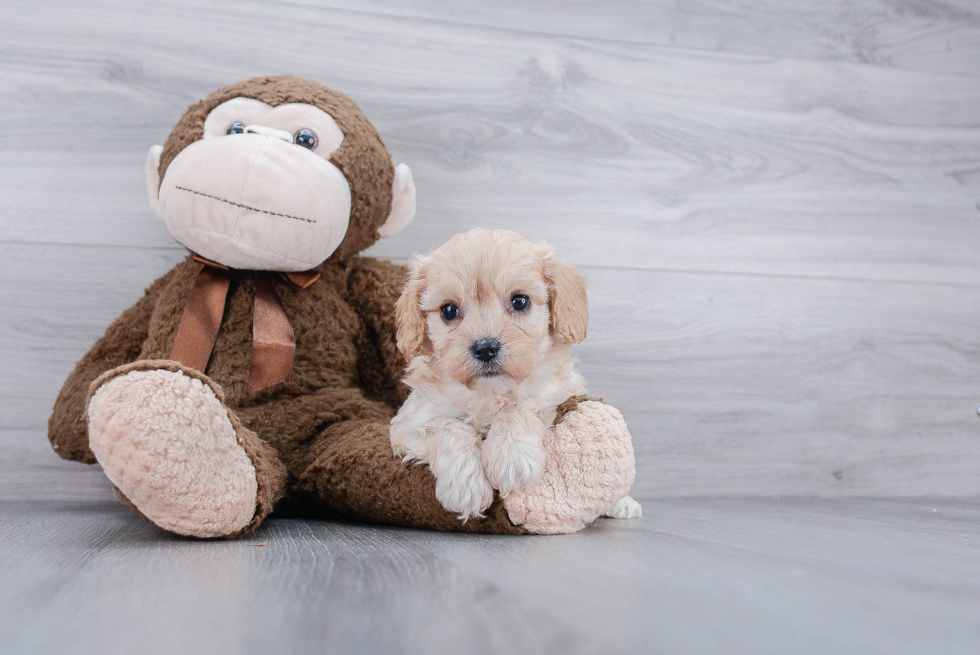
777	204
694	576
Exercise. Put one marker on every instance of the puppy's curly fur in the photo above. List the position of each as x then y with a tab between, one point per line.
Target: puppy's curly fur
488	373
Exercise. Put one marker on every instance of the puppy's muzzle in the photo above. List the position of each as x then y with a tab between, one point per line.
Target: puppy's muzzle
485	350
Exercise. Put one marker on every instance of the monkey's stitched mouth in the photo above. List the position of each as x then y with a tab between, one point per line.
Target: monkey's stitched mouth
248	207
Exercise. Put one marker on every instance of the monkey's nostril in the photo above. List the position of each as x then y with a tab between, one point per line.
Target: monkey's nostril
485	350
269	132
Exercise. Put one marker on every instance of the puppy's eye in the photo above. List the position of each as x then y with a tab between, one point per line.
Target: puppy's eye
520	303
235	128
449	312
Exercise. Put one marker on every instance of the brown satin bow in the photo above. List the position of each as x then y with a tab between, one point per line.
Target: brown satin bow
273	341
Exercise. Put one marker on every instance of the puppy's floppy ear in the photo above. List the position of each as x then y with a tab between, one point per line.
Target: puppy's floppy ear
408	315
567	298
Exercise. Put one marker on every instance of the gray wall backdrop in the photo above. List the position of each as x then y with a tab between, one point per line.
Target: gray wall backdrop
780	225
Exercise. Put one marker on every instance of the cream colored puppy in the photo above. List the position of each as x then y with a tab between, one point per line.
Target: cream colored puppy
487	321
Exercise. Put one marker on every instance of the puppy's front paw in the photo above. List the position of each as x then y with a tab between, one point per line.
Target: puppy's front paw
625	508
402	452
400	433
464	489
512	463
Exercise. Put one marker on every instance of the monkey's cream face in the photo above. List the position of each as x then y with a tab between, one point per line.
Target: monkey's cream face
258	191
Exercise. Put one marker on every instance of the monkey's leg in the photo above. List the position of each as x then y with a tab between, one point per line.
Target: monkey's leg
354	474
177	454
589	467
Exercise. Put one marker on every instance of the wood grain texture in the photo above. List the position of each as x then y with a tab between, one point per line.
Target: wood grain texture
622	154
942	37
781	239
732	384
692	576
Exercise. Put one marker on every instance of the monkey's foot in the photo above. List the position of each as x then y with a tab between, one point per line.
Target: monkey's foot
589	467
168	443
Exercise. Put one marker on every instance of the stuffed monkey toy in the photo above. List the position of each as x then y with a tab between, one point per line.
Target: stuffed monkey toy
262	372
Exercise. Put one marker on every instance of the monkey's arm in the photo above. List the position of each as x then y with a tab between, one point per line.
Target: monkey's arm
121	344
373	288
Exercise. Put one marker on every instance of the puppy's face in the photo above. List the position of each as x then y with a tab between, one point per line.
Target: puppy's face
490	304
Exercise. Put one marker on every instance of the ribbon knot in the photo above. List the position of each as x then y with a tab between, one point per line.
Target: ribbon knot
273	340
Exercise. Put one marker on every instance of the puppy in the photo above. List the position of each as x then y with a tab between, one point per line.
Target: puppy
487	321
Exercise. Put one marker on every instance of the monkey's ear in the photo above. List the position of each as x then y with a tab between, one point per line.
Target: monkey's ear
567	298
411	336
402	202
153	178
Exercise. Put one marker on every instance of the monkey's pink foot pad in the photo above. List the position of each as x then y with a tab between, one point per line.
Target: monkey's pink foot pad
167	442
589	466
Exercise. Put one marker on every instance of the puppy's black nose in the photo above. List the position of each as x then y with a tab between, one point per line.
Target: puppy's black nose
485	350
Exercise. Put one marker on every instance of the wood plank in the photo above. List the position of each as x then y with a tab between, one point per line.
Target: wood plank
942	37
30	470
782	252
706	576
622	154
732	385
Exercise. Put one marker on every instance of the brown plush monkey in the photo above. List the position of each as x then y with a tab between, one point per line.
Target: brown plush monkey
262	370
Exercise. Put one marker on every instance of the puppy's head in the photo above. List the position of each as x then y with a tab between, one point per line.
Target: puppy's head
490	303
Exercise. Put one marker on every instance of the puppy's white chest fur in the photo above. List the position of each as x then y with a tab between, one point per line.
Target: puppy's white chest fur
550	384
483	436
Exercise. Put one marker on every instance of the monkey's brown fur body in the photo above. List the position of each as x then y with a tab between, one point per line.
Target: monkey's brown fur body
327	425
319	440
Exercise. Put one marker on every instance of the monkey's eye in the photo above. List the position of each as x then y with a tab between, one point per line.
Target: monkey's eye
449	312
306	138
236	128
520	303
